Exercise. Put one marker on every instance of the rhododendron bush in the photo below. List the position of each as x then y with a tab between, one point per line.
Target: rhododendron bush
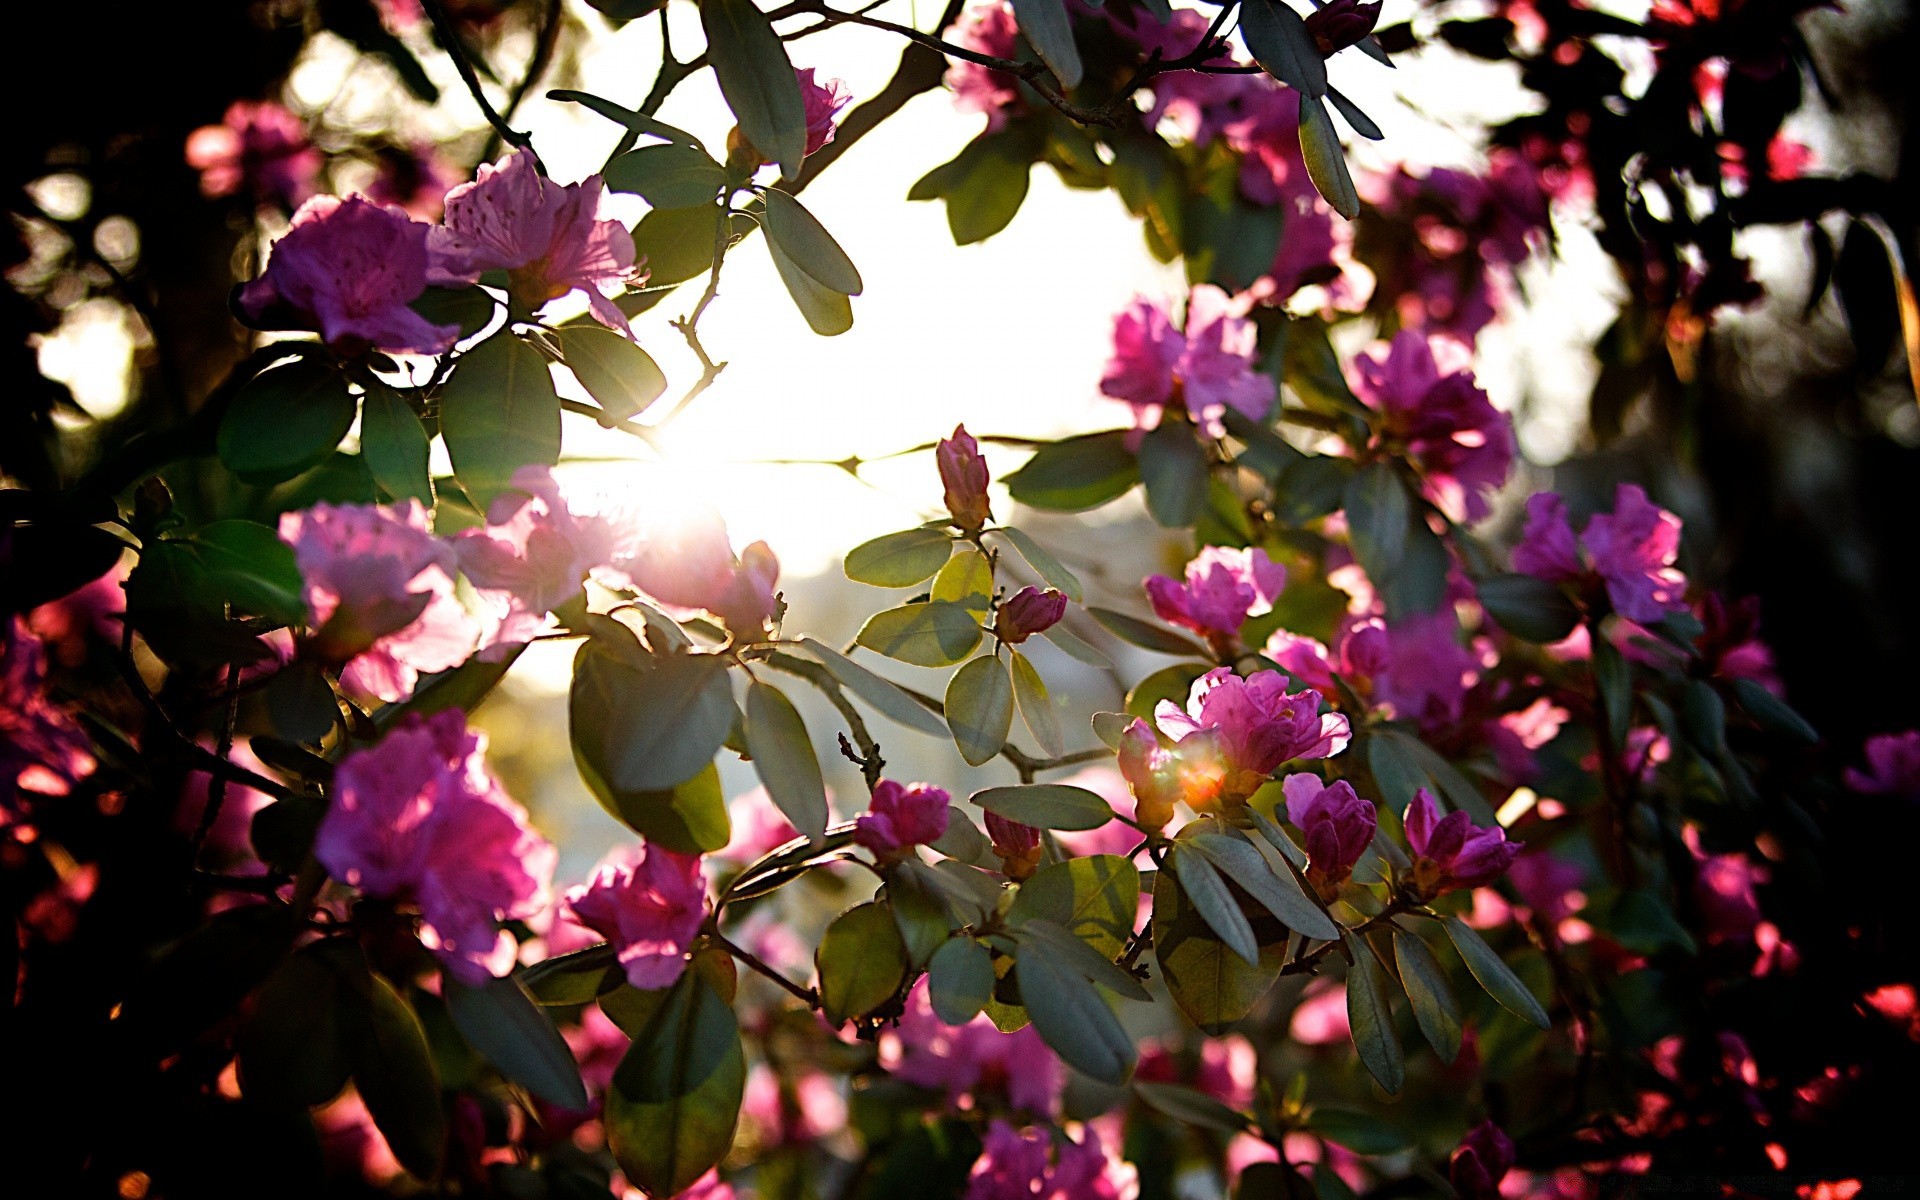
1448	833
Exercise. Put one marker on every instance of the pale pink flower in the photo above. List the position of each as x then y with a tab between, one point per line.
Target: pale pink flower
419	817
759	827
689	566
1893	766
380	595
1208	366
824	102
967	1059
1320	1019
347	270
650	908
43	752
1223	587
1452	852
259	146
987	28
792	1112
1229	1070
901	816
1434	413
546	236
1256	724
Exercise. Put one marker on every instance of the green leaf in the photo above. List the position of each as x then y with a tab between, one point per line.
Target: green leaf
1362	124
1212	985
802	238
498	413
1111	727
1094	898
638	122
647	723
1279	42
980	708
1070	644
966	580
1047	805
1173	683
1073	1019
1527	607
293	1039
984	185
285	420
829	313
1494	975
1378	512
901	559
503	1023
1773	713
1209	893
1370	1018
669	176
783	757
677	242
1278	891
250	568
1434	1007
394	1073
960	980
756	79
394	445
1145	635
1326	160
675	1099
1402	762
1174	469
1190	1105
962	839
1050	33
1359	1132
933	634
1075	955
862	962
1044	564
577	978
883	694
923	910
1077	473
619	375
1614	677
471	308
464	687
1277	838
978	890
1036	706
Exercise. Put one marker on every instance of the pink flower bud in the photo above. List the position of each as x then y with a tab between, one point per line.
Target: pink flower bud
964	473
1452	852
1029	611
1017	845
823	102
900	816
1482	1161
1339	826
1341	24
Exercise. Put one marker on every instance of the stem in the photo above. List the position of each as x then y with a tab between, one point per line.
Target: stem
805	995
217	784
689	326
449	37
543	46
1310	962
871	764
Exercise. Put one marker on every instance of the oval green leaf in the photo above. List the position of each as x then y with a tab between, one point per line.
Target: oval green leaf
802	238
675	1099
883	694
285	420
862	962
1076	474
960	980
1047	805
1145	635
901	559
621	376
669	176
980	708
1370	1018
1434	1007
1495	975
1036	706
394	445
756	79
1528	608
508	1029
783	757
934	634
1073	1018
498	413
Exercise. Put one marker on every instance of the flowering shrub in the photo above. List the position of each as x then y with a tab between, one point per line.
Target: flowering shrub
1422	848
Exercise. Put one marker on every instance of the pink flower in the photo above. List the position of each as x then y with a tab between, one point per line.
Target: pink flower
1340	24
1362	651
545	235
708	1187
1339	826
803	1111
536	551
1452	852
1893	766
985	28
1320	1019
420	817
1547	547
1469	231
650	908
1160	778
347	270
1723	887
1434	412
1224	586
1516	735
1194	101
824	102
966	1060
1631	551
690	566
900	816
379	593
1427	671
1115	837
759	828
42	751
1256	723
1013	1166
1027	612
1479	1164
1208	367
1229	1070
964	474
259	146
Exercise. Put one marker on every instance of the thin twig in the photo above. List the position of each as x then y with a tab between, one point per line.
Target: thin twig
217	783
805	995
869	760
449	37
543	45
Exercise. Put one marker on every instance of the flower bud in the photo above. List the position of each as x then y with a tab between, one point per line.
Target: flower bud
1017	845
900	817
964	473
1027	612
1483	1159
1338	825
1452	852
1341	24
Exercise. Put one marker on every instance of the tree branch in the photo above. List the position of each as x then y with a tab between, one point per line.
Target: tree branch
449	38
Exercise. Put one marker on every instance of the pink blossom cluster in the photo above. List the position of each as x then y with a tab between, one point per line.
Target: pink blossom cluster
419	818
1338	825
649	905
1630	551
970	1061
1227	1068
258	147
1223	586
1452	852
43	752
900	817
1416	669
1206	365
1014	1165
1229	739
1433	413
985	27
1893	766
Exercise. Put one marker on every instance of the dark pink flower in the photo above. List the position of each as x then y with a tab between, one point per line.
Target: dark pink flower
901	816
419	817
546	236
1452	852
1362	651
1208	366
1427	670
1256	725
1516	735
987	28
1340	23
1434	413
1195	102
42	751
1339	826
967	1060
1027	612
380	594
1723	887
963	472
1547	547
1482	1160
824	102
1633	550
347	270
1893	766
1729	644
1017	845
1223	587
689	566
650	908
259	146
1013	1166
